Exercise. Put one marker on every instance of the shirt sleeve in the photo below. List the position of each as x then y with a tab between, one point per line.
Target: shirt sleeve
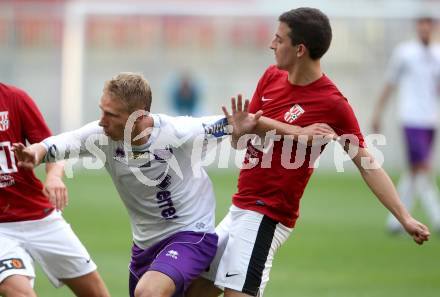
395	66
191	134
345	123
34	126
74	144
206	128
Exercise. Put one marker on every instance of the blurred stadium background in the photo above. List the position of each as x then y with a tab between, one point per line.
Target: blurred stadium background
62	51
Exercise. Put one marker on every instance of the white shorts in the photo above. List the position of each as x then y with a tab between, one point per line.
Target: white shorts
247	244
50	242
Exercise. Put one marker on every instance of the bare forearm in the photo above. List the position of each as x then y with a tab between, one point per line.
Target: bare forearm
55	170
263	126
40	152
249	125
381	185
266	124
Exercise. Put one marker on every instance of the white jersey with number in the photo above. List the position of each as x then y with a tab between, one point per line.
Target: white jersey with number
161	183
415	68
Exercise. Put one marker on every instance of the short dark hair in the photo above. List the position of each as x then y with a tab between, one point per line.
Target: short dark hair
311	27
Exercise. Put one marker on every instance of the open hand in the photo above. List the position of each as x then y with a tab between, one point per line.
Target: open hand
25	156
241	120
56	191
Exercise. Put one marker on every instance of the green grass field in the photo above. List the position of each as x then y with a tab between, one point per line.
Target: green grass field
339	248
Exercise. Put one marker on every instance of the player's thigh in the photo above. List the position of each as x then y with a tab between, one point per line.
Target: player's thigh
186	258
203	287
234	293
16	286
155	284
182	257
222	231
14	260
89	285
59	251
253	241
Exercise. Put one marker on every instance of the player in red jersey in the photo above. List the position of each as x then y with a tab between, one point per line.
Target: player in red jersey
31	225
266	206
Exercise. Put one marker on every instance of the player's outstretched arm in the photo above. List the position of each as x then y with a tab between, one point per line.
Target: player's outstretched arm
29	157
298	133
54	187
243	122
381	185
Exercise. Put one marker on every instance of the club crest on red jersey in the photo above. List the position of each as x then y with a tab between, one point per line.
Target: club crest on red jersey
4	121
295	112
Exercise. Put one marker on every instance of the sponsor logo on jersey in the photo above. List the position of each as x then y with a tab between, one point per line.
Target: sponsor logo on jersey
4	121
173	254
231	274
164	199
6	180
165	183
13	263
266	99
143	155
294	113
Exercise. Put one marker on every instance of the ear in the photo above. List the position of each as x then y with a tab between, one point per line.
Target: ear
301	50
145	112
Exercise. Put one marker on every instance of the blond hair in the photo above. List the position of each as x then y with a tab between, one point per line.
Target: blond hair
132	89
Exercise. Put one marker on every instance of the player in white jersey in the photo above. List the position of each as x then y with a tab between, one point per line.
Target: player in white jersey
171	204
415	69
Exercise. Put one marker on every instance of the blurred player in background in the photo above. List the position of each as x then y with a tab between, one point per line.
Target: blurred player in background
265	209
31	224
415	69
171	210
186	95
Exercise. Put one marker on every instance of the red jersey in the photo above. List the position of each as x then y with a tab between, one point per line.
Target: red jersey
274	190
21	196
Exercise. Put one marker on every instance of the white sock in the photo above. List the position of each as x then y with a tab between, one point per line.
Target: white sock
429	195
405	188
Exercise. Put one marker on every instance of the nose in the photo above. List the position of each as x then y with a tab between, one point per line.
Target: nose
272	44
102	122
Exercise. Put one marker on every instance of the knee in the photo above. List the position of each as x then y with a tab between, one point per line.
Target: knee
99	290
12	290
99	293
143	292
148	291
203	288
